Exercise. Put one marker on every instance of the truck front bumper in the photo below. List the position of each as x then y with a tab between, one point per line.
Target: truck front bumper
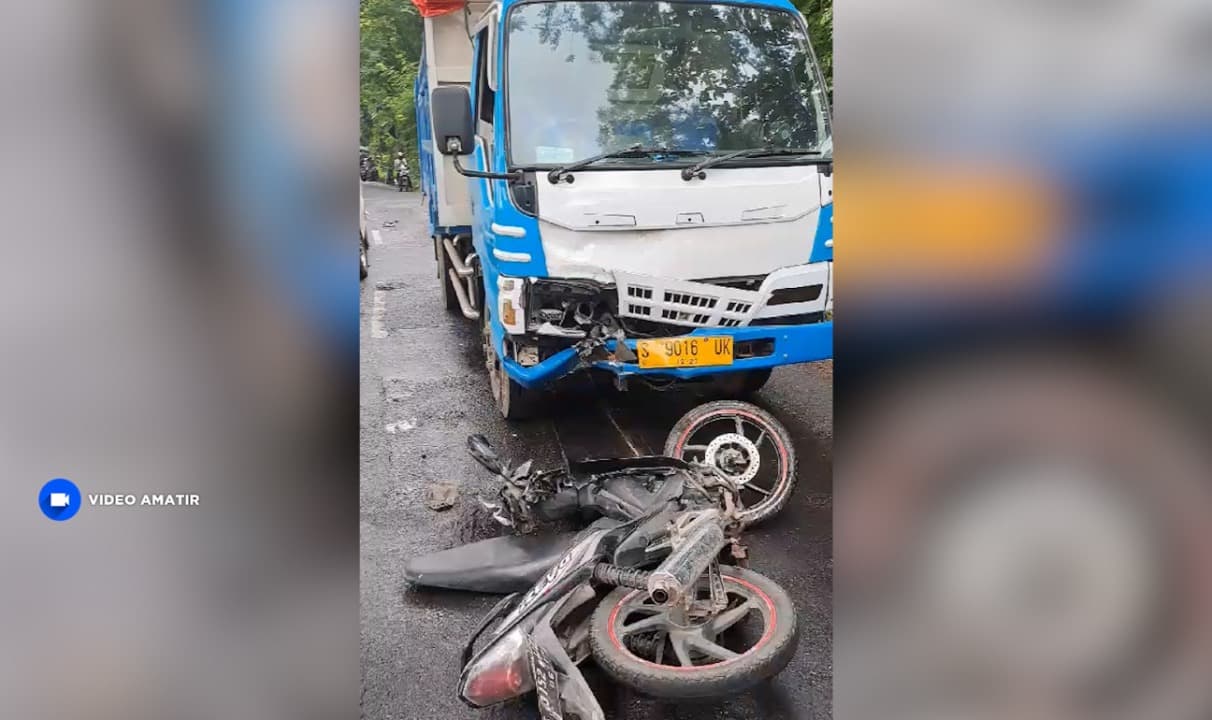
787	345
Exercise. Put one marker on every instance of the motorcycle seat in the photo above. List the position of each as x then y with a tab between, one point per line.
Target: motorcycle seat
511	563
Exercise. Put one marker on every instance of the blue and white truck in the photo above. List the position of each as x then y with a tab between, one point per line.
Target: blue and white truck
638	186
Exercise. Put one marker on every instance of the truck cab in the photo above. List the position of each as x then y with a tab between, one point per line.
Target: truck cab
638	186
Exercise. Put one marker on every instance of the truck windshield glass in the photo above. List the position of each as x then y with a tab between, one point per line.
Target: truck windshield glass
586	78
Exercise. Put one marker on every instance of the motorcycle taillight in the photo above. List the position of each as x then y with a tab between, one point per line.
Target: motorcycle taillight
501	673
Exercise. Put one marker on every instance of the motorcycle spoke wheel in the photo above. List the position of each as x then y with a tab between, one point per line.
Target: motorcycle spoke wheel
651	634
739	451
744	444
682	655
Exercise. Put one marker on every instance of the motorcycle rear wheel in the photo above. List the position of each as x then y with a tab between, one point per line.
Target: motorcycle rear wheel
727	653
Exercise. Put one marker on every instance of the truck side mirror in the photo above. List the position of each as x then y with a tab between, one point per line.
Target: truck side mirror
452	126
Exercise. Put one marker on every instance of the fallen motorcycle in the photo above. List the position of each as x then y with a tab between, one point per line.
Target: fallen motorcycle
653	590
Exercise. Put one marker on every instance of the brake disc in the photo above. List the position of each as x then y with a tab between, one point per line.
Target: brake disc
734	442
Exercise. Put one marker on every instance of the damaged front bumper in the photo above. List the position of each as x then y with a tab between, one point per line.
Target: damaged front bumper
767	347
551	327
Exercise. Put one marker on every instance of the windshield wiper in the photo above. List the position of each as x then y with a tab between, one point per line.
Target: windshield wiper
696	170
637	150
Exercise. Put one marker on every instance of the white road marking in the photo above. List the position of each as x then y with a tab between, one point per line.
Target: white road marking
559	442
375	238
377	329
614	422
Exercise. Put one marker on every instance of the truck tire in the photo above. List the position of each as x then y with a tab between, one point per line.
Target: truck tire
513	401
752	440
449	300
760	656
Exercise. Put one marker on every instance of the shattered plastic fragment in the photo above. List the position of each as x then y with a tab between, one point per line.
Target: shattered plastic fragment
402	426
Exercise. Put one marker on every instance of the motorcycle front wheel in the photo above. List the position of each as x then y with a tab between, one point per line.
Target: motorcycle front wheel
642	645
747	445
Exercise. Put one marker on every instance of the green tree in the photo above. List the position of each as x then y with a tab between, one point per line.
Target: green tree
390	53
819	14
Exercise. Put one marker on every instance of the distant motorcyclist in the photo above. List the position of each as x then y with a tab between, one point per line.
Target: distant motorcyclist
400	170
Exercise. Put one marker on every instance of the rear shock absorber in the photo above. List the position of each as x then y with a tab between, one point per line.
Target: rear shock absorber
617	576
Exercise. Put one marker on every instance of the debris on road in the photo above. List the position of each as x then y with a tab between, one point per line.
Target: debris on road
442	496
402	426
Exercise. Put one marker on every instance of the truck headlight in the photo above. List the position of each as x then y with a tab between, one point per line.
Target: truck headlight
511	308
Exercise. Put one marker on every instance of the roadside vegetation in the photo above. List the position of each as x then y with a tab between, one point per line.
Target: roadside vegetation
391	51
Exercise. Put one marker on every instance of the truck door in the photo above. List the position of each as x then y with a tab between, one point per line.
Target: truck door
484	91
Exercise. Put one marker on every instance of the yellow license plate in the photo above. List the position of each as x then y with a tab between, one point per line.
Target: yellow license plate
684	352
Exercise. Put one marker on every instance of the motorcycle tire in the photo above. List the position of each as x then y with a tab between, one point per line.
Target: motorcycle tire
782	452
772	651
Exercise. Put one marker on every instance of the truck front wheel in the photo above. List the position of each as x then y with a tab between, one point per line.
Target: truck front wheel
514	401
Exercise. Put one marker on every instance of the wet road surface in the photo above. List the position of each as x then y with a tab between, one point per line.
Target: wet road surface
424	389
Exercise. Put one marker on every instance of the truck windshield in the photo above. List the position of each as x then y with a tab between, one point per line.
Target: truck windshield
586	78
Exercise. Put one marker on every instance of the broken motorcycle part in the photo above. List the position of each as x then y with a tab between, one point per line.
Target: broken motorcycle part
662	526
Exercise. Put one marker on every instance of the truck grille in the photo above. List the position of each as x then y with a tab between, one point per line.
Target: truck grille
683	302
781	297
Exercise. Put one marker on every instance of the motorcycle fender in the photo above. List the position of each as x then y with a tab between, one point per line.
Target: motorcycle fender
559	584
575	693
496	613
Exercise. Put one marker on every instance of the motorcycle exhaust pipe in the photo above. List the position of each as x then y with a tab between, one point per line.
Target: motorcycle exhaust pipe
702	540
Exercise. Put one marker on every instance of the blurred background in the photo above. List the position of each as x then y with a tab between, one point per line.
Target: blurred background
180	315
1022	512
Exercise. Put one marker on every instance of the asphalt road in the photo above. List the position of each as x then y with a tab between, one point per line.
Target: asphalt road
424	389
